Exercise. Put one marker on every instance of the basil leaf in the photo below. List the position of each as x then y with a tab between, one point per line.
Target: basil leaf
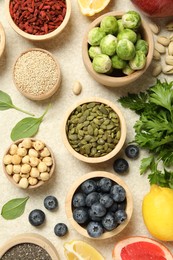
27	127
14	208
5	101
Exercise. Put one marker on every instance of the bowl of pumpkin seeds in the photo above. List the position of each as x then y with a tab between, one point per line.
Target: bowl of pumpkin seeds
94	130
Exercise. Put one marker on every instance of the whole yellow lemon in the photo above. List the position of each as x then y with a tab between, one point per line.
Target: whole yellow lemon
157	211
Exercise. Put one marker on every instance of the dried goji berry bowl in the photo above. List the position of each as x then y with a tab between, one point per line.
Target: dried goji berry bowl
94	130
28	163
83	205
116	77
38	21
2	39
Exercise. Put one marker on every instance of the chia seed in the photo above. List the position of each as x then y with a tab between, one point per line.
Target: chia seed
26	251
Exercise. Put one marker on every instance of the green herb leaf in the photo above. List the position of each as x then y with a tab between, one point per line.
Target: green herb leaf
6	103
145	164
27	127
14	208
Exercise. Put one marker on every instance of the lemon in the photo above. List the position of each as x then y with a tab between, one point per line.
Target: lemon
80	250
91	7
157	211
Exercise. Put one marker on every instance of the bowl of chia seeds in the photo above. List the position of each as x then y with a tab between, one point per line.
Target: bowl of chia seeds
36	74
94	130
28	246
99	205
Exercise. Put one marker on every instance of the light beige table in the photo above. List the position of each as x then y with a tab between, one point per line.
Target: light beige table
67	49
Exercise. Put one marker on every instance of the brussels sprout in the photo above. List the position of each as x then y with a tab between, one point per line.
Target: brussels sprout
142	45
127	34
93	51
127	70
138	62
95	35
108	44
109	24
125	49
120	25
131	20
118	63
102	63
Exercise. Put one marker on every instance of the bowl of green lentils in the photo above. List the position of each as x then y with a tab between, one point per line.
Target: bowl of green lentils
94	130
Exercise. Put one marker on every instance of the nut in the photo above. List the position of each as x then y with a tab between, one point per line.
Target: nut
13	149
16	177
48	161
32	181
16	168
156	55
7	159
163	40
9	169
170	48
34	161
25	168
160	48
38	145
21	151
77	88
44	176
45	152
34	172
169	26
157	70
23	183
27	143
26	159
169	60
42	167
16	159
168	69
154	28
33	153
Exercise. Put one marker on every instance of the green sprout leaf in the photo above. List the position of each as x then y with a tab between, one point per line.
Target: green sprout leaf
14	208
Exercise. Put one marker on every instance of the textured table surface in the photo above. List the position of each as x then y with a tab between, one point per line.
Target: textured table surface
67	49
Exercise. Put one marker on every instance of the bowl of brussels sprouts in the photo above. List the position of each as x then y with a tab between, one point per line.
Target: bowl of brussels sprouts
117	48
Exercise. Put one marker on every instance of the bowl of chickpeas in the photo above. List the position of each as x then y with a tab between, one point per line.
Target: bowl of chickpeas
28	163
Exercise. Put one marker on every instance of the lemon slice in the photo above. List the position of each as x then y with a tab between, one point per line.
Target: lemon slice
80	250
91	7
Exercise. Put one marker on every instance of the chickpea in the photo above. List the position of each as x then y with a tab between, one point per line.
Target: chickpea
26	168
7	159
16	168
27	143
9	169
33	153
38	145
16	177
13	149
34	161
32	181
16	159
48	161
24	175
44	176
34	172
23	183
42	167
22	152
26	159
45	152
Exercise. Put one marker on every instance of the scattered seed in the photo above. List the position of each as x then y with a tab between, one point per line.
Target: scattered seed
154	28
77	88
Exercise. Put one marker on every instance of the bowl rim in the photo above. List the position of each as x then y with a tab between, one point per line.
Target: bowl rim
40	183
120	81
2	39
53	90
31	238
117	147
91	175
39	37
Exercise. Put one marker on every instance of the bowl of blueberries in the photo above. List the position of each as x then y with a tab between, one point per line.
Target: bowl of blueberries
99	205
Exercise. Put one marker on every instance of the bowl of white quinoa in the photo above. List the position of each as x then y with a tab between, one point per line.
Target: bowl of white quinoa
36	74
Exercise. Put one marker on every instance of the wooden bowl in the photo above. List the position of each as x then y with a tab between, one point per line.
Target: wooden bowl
30	238
2	40
10	175
75	186
118	146
112	81
39	37
21	82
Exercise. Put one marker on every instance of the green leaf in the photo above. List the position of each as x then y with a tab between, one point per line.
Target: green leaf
145	164
5	101
14	208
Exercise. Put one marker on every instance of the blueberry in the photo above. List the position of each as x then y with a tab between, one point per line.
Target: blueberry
120	216
88	186
92	215
91	198
114	207
36	217
50	202
60	229
98	209
122	205
109	222
104	184
118	193
94	229
80	215
132	151
120	165
79	199
106	200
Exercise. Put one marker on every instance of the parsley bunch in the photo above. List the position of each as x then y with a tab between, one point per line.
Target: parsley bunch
154	130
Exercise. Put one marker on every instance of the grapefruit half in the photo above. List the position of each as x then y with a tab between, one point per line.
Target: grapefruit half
140	248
